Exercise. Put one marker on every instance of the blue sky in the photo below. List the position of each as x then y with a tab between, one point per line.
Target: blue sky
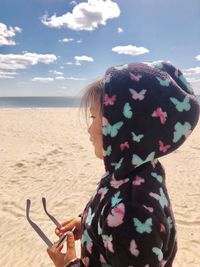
57	47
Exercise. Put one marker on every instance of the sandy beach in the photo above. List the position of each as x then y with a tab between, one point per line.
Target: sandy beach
47	153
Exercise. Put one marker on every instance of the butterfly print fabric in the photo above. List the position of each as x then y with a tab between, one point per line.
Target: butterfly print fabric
149	110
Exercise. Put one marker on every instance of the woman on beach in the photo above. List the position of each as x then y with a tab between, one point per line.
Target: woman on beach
140	112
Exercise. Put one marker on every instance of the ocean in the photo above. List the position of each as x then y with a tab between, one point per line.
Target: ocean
39	102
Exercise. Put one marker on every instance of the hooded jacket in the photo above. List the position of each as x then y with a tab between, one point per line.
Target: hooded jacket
149	110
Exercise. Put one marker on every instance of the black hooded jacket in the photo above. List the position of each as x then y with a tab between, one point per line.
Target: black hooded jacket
149	110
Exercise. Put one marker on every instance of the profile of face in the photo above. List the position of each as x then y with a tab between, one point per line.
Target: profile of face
95	129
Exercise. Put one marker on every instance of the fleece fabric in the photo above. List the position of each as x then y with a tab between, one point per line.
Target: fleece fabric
149	109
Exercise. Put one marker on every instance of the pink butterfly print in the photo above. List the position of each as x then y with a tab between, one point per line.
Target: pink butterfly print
138	181
154	195
136	95
124	146
163	147
154	162
86	261
176	73
102	192
89	247
135	77
109	100
161	114
117	183
162	228
102	259
108	244
133	248
104	121
117	215
150	209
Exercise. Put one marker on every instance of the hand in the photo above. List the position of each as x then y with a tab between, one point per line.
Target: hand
68	225
59	258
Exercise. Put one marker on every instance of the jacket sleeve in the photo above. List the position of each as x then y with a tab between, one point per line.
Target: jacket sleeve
132	237
75	263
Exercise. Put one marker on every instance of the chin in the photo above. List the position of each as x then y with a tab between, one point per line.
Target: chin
99	155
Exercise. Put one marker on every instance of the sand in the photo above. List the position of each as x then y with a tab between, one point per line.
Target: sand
47	153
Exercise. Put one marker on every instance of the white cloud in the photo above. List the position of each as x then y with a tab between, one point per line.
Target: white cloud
75	78
70	78
73	3
69	63
120	30
198	57
7	74
130	50
194	80
56	72
7	33
85	16
43	79
79	41
66	40
192	71
192	75
60	78
82	58
23	61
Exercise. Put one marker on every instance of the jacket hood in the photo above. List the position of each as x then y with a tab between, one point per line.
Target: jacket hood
149	109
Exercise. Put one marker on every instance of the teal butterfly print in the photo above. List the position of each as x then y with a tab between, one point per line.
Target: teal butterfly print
186	83
145	227
107	152
99	229
163	200
90	217
106	265
169	221
164	82
181	105
181	130
118	164
158	253
116	200
85	238
136	160
112	130
128	113
156	64
158	177
121	67
137	138
107	78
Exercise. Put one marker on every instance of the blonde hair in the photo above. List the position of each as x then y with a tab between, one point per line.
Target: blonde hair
92	94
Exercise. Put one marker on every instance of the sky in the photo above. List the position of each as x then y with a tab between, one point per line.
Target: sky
58	47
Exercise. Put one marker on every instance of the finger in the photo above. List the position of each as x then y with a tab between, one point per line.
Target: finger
59	248
58	232
70	241
68	227
51	254
66	222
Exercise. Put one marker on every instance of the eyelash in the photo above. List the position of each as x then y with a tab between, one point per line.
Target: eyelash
92	117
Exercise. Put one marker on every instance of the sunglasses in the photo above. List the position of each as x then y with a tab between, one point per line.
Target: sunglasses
40	232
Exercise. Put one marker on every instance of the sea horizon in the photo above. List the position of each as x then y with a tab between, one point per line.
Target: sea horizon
39	101
42	101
